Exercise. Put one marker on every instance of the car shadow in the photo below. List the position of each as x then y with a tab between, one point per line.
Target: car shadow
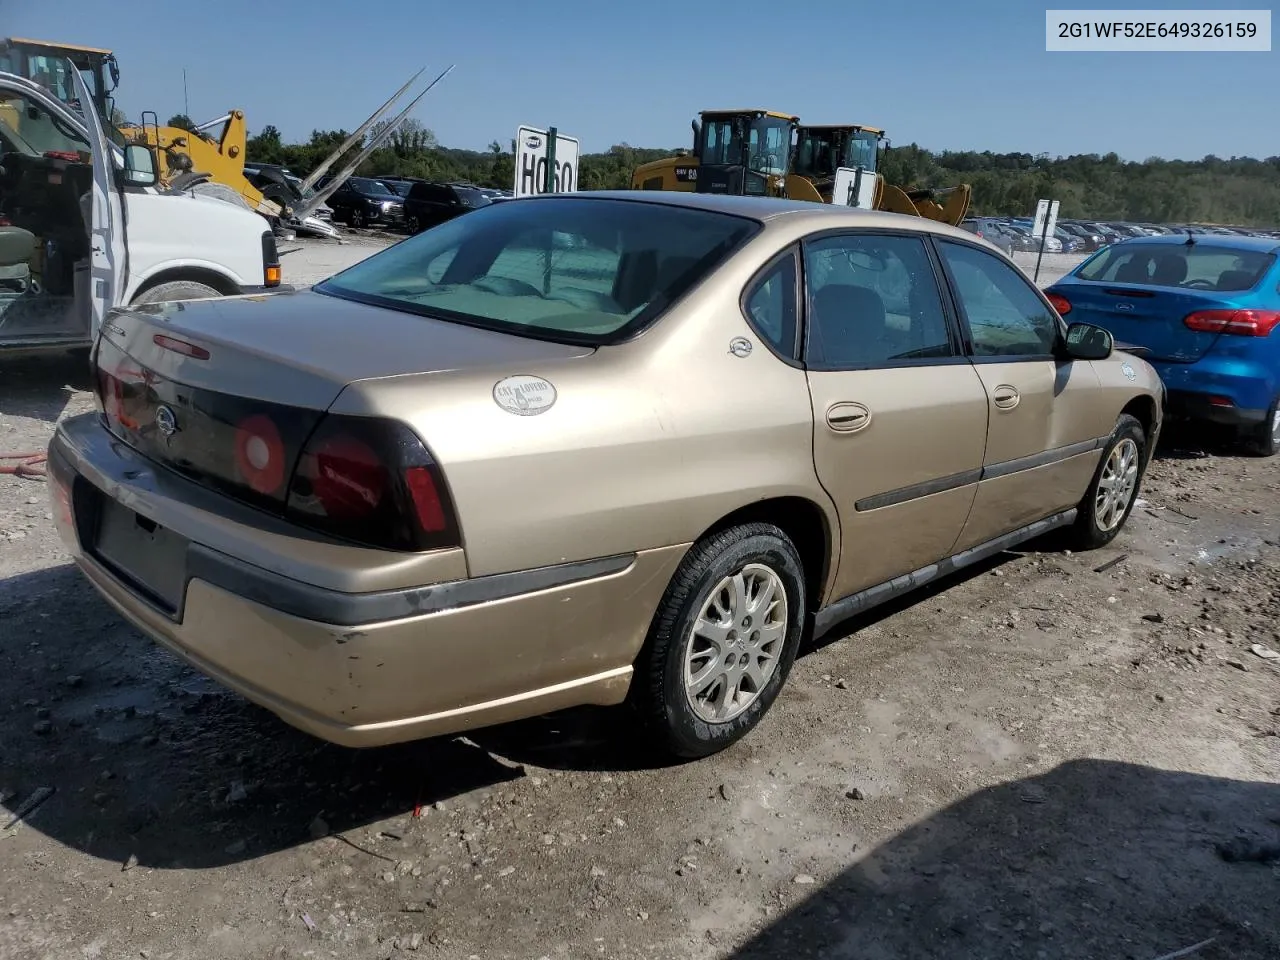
1091	859
39	387
150	759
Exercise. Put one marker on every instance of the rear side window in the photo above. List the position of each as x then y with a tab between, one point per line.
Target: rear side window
1202	266
771	305
569	269
873	300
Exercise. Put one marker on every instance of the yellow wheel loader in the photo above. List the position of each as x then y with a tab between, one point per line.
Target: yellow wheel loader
825	164
839	163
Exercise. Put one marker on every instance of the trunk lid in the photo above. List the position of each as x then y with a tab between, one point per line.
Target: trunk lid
1146	316
227	391
302	348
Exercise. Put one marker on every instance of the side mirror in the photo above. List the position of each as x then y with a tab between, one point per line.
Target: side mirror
1085	341
139	166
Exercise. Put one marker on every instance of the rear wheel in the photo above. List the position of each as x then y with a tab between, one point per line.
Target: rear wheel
1265	441
177	290
1114	489
723	640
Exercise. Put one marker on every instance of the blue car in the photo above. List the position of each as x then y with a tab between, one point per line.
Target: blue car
1207	309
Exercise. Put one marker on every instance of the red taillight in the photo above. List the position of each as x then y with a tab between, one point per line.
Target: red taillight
1217	401
1243	323
66	155
260	454
180	346
1061	304
374	482
427	502
347	478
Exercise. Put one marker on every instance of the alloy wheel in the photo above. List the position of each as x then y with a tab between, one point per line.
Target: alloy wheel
1117	484
735	644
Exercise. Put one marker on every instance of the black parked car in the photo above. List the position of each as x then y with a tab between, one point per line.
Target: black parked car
361	201
431	203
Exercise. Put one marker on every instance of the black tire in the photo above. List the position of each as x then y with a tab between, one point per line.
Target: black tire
356	219
1091	530
177	290
658	691
1264	441
411	224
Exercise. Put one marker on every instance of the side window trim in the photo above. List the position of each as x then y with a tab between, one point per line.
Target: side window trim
955	332
966	330
792	250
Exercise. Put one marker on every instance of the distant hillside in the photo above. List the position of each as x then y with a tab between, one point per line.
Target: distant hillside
1240	190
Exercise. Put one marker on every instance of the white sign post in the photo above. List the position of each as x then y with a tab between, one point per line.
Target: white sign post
854	187
1046	224
531	162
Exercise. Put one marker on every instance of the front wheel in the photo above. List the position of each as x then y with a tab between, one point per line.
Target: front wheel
1114	489
723	640
177	290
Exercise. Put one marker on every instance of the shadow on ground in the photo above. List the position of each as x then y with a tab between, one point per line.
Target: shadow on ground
151	759
39	387
1092	860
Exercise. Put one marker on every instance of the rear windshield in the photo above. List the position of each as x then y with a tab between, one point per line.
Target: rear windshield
573	270
1203	266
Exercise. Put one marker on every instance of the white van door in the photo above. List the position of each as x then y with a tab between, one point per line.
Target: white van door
107	233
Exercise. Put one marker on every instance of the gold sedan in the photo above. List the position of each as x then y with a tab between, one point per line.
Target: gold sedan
586	449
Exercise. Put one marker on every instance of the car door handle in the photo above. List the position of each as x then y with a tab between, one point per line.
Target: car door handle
847	417
1005	397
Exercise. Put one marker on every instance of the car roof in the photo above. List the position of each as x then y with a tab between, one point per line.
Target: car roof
766	209
1228	240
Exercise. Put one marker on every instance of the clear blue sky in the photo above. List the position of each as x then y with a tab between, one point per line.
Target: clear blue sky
947	74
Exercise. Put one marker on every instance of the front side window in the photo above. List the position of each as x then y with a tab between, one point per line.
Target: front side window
1005	315
721	142
862	150
769	147
873	300
28	127
575	270
1201	266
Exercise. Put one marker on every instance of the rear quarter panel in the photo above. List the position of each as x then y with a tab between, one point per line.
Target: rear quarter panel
647	444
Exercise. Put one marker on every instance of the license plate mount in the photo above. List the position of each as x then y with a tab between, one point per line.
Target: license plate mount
151	559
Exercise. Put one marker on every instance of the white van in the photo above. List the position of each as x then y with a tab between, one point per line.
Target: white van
83	227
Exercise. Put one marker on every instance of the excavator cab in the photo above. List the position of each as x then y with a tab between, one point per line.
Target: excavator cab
743	152
50	65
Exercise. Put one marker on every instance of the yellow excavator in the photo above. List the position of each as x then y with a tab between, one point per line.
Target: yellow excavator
835	163
211	156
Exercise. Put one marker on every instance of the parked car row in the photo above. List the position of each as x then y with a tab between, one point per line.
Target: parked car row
1087	236
407	203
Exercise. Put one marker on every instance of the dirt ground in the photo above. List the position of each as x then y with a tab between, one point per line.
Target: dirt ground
1055	756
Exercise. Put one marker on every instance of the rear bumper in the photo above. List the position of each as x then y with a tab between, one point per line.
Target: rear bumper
1201	390
358	668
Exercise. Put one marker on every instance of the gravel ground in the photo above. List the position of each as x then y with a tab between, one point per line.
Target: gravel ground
1057	756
